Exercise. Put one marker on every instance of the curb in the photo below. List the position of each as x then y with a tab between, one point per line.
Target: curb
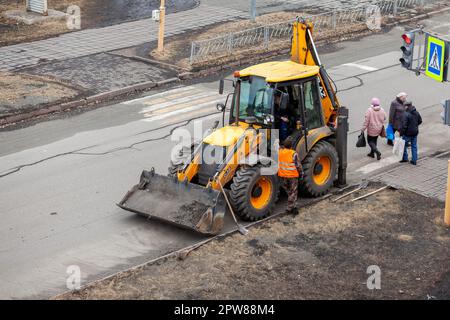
9	120
94	99
419	17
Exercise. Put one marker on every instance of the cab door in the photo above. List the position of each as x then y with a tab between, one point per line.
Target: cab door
312	104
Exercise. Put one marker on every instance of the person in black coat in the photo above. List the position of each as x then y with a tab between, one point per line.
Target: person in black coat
410	130
396	114
282	120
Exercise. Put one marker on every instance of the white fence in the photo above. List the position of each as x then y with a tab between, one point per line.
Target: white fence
263	35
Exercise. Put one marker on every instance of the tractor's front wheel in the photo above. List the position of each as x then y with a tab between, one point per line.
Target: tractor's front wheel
320	168
253	195
180	158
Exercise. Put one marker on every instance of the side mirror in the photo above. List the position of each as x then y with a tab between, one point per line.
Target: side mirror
284	101
221	86
220	107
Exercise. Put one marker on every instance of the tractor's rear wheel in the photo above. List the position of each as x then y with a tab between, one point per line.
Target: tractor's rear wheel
320	168
253	195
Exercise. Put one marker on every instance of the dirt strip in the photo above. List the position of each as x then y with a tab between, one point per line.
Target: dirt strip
324	253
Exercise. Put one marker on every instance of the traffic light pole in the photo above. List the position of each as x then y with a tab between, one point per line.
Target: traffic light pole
430	58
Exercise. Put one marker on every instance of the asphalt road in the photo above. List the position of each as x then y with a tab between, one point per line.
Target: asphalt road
60	179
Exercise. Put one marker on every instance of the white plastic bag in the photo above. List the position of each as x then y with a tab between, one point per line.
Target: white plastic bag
399	148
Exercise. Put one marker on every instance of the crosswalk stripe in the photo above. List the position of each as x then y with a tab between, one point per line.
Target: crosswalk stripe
161	94
360	66
179	101
183	110
172	95
177	107
154	101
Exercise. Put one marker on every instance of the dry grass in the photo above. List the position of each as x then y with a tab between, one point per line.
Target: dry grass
323	253
14	87
16	33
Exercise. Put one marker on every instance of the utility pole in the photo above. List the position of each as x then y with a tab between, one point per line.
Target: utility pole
162	14
253	10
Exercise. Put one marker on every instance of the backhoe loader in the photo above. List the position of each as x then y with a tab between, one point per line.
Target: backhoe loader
191	196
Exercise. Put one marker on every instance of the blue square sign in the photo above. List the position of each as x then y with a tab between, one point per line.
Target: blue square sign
435	59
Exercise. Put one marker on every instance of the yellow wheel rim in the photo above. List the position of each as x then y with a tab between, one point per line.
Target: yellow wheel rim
261	193
322	170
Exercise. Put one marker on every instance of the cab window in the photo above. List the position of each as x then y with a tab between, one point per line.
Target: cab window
255	98
312	103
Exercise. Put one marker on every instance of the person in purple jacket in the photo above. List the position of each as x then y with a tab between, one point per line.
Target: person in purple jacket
374	124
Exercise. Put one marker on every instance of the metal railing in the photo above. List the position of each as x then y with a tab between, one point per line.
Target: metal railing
263	36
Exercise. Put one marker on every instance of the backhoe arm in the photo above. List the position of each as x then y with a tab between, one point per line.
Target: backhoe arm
303	51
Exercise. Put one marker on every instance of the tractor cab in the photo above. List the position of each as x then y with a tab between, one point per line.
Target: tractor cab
278	95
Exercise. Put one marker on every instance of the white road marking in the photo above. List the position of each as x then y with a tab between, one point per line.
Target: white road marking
182	111
360	66
384	162
161	94
444	25
179	100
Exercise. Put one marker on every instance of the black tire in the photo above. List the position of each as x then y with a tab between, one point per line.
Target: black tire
312	169
180	160
244	185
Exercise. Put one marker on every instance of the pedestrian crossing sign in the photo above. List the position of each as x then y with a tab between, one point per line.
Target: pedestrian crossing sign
435	63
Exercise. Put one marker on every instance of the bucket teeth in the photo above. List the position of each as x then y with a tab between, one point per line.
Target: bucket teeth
205	223
183	204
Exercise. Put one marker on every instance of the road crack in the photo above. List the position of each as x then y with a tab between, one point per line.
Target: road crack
130	147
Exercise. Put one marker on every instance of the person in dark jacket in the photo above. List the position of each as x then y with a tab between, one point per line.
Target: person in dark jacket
281	118
396	113
410	130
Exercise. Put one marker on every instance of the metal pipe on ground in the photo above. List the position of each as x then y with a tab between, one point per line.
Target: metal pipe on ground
371	193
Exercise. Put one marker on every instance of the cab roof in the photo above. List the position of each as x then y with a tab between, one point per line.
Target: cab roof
280	71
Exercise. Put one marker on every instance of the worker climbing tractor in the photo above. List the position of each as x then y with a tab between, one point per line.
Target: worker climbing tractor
290	171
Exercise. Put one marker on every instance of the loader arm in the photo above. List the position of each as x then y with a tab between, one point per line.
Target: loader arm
246	145
303	51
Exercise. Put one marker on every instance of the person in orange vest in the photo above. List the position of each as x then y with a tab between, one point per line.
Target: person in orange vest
290	171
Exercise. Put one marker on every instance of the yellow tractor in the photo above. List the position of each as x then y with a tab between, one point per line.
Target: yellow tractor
195	194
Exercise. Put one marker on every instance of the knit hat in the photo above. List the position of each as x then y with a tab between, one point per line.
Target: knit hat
375	102
407	103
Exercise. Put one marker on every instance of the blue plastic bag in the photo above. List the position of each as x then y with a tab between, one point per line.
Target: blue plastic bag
390	133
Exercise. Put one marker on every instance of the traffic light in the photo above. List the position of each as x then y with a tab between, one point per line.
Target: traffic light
408	50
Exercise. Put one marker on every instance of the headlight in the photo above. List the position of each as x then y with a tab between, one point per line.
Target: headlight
220	107
269	119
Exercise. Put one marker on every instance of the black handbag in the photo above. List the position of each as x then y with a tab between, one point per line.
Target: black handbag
361	143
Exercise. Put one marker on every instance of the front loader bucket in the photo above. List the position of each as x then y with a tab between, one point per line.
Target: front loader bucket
186	205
